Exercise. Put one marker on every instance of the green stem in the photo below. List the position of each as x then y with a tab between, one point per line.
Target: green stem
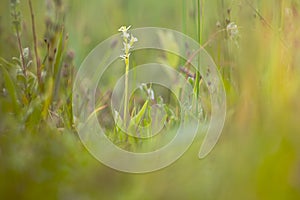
199	36
18	35
20	43
37	58
126	90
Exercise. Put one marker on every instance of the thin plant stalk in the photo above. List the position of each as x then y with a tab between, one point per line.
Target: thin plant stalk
211	38
265	22
126	89
16	24
128	41
199	36
38	61
19	43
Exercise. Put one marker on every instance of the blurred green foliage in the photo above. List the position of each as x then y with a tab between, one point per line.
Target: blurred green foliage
258	154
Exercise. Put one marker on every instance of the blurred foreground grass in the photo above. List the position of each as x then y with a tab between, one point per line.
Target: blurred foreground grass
258	154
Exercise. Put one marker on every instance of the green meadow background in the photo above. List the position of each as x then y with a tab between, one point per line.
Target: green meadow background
258	153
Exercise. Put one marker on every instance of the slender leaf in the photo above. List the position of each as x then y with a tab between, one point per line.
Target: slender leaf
10	86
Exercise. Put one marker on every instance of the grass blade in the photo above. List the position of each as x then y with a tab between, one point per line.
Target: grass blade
9	84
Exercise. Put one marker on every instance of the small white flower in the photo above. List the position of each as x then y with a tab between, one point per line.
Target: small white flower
133	39
127	47
26	52
128	41
150	93
125	35
232	29
124	28
124	57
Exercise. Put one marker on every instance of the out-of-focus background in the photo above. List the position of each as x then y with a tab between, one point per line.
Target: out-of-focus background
258	153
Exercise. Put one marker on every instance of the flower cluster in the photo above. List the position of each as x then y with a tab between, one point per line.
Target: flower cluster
232	30
128	41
